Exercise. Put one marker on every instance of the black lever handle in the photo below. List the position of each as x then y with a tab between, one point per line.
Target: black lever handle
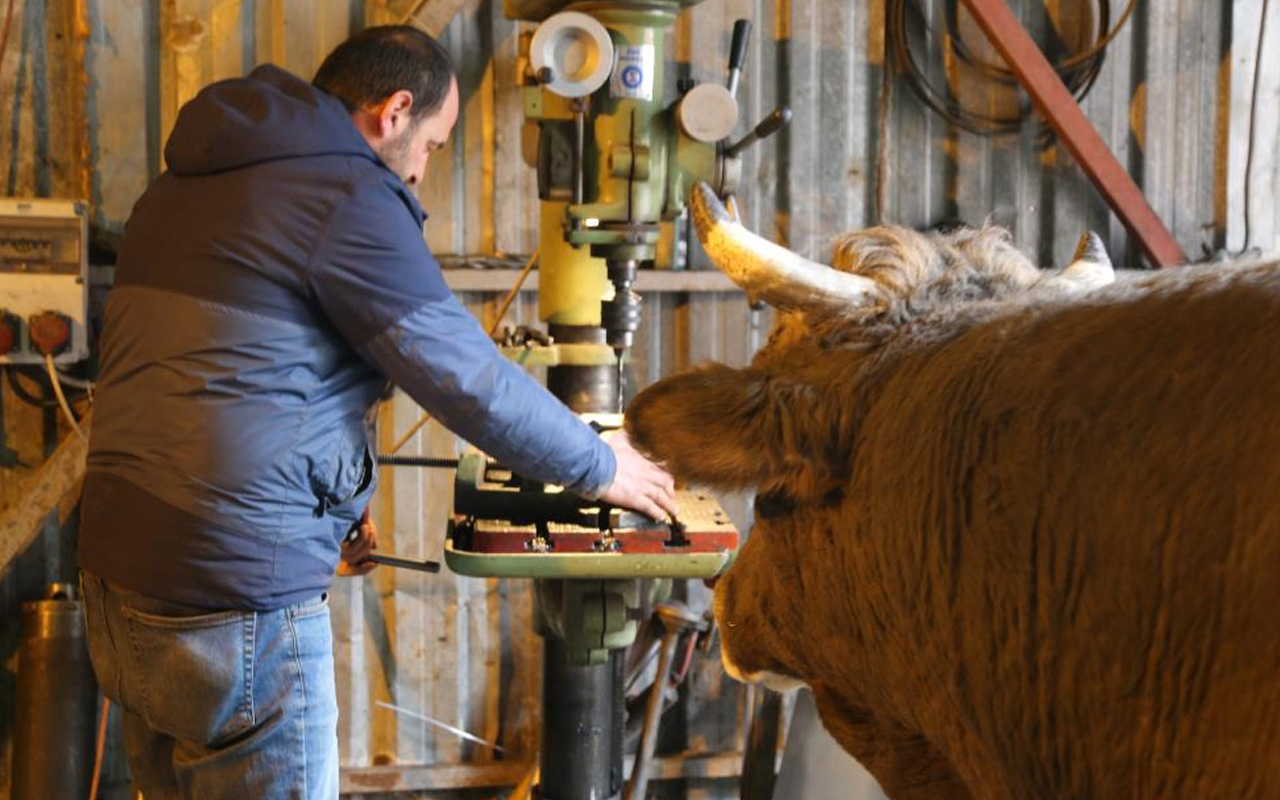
738	52
404	563
767	127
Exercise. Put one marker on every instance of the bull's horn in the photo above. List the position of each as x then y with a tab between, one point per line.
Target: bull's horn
1090	267
769	272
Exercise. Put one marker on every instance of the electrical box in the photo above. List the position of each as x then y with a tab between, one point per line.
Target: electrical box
43	281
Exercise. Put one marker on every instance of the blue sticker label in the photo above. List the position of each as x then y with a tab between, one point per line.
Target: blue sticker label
633	72
632	77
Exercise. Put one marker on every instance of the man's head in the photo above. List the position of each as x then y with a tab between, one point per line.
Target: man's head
399	86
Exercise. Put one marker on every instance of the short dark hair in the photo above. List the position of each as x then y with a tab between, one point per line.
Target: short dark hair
377	62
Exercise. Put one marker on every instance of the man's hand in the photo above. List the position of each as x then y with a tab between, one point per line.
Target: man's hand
639	483
356	548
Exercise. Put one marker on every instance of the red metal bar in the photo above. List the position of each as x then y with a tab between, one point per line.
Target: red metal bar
1064	115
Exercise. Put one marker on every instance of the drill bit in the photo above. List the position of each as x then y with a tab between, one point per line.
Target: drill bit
621	377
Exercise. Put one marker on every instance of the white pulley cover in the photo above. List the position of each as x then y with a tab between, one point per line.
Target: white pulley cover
708	112
578	50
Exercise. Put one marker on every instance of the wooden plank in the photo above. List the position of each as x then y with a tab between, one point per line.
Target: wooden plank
200	42
66	34
22	90
55	485
1253	186
511	655
387	12
376	780
499	774
443	665
471	47
515	186
1200	38
307	31
118	80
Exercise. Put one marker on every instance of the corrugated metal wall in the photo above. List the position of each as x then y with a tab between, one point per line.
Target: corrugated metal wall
1171	90
1173	101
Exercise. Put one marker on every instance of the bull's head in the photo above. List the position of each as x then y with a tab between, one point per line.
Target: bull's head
788	426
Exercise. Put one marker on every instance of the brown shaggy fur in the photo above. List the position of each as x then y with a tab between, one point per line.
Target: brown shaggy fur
1022	548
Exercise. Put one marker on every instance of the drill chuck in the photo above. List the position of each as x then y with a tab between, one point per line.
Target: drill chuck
620	317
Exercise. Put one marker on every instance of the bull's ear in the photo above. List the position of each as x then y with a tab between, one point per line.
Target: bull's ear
724	428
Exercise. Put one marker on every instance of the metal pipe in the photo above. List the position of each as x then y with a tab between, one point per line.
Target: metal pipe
738	53
760	756
581	726
579	144
652	716
584	389
55	702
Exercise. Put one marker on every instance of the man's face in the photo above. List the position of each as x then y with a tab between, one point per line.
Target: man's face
406	153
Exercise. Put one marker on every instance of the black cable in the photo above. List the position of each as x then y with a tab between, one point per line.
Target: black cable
941	101
1078	72
25	396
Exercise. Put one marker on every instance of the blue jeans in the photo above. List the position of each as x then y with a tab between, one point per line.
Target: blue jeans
223	704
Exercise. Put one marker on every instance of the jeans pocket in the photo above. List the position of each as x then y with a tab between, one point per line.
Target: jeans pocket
309	608
103	655
194	672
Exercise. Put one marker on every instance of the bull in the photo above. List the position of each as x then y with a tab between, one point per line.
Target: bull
1019	531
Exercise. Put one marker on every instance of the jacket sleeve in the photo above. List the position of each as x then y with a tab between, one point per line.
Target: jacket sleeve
374	278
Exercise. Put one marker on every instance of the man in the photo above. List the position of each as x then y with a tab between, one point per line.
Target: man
268	285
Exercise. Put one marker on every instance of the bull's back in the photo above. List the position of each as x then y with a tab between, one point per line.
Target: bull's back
1099	483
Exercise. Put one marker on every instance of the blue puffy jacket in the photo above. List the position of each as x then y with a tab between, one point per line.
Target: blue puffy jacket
268	286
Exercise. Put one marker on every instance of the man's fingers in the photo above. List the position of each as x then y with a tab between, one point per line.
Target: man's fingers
358	549
348	570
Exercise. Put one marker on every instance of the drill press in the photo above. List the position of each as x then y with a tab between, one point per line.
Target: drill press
615	159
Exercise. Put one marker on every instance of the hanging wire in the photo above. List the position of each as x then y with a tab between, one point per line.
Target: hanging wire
62	398
1078	72
99	748
1253	114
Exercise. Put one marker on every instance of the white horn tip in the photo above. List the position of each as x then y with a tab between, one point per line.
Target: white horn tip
708	211
1090	248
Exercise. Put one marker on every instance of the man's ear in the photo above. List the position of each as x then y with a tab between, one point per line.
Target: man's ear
392	113
723	428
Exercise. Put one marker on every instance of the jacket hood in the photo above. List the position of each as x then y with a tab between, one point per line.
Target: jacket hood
266	116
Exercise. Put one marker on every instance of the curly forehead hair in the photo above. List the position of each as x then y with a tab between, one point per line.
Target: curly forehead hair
378	62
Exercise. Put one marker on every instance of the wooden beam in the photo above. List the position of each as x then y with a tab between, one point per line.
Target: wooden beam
1059	108
433	16
434	777
48	488
501	774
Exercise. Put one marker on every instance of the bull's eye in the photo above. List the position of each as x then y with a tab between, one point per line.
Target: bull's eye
776	503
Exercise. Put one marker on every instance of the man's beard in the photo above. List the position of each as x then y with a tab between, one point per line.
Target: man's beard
395	153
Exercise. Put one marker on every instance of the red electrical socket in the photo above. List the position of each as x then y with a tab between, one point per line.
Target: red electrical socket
10	334
50	332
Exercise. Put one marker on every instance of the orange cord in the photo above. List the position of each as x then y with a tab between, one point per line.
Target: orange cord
98	750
